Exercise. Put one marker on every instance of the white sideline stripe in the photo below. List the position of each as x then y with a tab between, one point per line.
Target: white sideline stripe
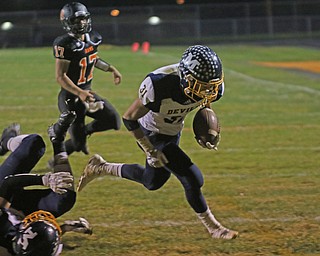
271	149
293	87
23	107
261	81
171	223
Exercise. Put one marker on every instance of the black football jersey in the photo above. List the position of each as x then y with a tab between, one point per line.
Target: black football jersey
9	224
81	54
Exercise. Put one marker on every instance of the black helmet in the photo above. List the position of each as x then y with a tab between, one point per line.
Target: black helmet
201	73
75	18
39	235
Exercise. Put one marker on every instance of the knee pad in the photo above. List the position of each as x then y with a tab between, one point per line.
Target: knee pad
27	155
37	145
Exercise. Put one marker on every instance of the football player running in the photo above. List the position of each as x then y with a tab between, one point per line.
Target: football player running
28	223
76	56
156	119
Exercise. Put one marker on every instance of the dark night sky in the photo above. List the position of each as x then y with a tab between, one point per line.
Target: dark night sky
20	5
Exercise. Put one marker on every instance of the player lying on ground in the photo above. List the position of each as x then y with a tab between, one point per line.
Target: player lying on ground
156	120
28	223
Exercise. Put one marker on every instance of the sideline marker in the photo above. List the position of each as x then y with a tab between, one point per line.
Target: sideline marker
145	47
135	46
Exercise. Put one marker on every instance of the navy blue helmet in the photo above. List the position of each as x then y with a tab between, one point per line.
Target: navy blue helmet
39	235
201	73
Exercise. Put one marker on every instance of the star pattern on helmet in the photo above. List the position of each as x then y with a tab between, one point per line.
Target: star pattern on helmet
208	64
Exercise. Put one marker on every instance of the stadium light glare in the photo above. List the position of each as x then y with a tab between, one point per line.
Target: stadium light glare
154	20
7	25
115	12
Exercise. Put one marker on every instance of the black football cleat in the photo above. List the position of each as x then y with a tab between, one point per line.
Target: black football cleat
85	150
11	131
58	130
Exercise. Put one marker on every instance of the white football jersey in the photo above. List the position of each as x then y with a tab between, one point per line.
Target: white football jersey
162	93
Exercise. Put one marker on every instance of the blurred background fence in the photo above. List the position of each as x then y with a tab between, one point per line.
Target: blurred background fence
174	24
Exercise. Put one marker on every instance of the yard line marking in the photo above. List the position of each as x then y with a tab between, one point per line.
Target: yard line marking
172	223
274	83
272	149
23	107
261	149
266	82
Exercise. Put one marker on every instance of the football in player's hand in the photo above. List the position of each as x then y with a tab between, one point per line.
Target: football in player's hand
206	126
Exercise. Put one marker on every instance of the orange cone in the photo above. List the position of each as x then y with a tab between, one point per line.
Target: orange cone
145	47
135	46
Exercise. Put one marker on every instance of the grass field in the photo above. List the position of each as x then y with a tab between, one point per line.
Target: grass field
263	182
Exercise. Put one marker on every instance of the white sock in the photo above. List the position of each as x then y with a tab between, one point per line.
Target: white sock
114	169
209	221
14	142
62	155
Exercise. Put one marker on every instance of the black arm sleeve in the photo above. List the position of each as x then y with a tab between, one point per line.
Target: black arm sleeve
19	181
130	124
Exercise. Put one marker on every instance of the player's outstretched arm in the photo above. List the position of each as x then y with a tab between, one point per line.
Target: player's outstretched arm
155	157
117	77
58	182
105	66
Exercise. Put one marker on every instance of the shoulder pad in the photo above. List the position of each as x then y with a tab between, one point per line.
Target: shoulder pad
172	69
146	91
95	37
68	42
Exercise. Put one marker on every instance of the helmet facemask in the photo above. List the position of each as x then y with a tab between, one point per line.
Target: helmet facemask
201	74
197	90
41	216
80	24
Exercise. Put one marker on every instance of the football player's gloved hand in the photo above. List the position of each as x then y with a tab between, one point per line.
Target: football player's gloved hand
59	182
208	145
155	158
94	106
79	226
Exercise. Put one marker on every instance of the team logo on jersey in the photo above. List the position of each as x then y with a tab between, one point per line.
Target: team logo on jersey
89	49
